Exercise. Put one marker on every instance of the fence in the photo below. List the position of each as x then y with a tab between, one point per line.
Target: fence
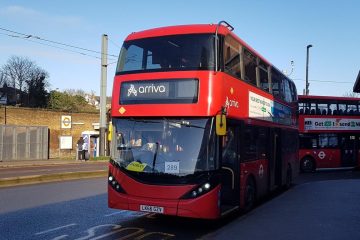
23	142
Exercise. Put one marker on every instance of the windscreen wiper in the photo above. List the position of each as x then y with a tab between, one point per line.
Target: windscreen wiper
185	124
155	155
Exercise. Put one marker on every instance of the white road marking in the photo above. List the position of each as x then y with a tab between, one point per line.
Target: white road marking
55	229
127	213
114	213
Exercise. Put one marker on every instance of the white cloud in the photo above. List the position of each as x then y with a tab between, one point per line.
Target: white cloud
16	11
20	13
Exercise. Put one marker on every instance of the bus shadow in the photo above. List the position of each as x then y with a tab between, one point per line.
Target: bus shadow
174	227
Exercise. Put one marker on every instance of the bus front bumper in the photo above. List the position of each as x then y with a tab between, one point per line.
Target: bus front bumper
205	206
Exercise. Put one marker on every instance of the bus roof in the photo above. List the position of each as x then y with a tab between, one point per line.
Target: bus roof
191	29
313	97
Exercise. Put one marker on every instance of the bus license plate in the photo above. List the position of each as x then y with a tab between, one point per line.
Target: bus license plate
153	209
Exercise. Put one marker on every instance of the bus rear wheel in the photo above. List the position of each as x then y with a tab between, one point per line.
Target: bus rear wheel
288	182
250	195
307	165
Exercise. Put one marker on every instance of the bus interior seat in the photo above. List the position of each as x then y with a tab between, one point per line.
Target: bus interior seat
307	111
312	111
301	111
329	112
323	112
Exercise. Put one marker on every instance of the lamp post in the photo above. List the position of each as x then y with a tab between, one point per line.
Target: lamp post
307	69
102	124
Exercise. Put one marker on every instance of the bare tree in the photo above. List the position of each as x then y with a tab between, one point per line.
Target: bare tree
17	70
25	77
75	92
2	79
352	94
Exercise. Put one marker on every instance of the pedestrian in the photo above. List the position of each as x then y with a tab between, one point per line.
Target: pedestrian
79	144
85	148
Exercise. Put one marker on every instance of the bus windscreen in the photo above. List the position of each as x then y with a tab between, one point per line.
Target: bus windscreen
167	53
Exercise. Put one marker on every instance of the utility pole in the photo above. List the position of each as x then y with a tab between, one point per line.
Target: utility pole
307	70
102	126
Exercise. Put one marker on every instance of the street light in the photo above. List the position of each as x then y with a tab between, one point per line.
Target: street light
307	69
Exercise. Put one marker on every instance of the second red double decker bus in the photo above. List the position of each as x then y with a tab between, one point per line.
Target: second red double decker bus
329	132
202	124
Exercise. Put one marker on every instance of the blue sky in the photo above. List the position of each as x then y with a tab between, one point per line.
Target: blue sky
279	30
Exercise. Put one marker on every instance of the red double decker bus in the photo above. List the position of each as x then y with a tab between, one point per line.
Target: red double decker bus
202	124
329	129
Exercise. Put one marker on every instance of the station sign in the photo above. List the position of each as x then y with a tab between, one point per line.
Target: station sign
66	142
65	122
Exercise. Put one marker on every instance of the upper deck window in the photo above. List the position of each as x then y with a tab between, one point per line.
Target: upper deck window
287	90
330	106
232	57
277	88
167	53
250	67
263	76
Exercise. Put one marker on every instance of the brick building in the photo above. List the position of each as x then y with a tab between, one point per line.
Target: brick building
80	122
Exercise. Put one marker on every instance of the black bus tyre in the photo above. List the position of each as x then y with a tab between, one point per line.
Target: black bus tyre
250	194
288	182
307	165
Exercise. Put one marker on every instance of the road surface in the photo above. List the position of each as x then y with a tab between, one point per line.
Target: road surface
315	208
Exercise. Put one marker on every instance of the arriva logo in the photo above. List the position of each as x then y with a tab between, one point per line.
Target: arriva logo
132	90
150	89
231	103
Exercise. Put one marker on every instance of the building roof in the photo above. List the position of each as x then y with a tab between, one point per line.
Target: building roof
356	87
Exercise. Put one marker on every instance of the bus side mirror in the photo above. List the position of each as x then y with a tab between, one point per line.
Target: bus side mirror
110	132
220	124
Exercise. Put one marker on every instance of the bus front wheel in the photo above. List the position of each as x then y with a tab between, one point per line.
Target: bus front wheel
307	165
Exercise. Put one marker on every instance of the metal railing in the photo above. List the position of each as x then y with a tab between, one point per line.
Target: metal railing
23	142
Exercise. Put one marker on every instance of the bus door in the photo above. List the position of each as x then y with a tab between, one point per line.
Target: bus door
349	151
230	168
275	160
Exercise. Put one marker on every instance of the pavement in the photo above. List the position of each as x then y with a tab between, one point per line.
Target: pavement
320	210
24	172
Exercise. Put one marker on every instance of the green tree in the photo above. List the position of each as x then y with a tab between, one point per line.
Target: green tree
64	101
37	95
